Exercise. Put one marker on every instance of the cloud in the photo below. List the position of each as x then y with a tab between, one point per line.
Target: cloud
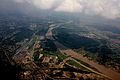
69	6
106	8
43	4
19	1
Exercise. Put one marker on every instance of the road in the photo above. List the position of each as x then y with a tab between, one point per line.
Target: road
24	47
108	72
49	33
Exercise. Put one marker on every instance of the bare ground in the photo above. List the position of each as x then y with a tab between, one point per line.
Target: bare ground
108	72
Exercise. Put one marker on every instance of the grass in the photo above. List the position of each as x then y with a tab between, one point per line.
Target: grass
71	62
60	56
36	56
87	65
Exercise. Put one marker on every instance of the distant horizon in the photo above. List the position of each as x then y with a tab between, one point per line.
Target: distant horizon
109	9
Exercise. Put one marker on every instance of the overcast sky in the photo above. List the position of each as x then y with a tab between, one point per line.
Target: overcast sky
106	8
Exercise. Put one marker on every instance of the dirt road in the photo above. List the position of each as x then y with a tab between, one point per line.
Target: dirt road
110	73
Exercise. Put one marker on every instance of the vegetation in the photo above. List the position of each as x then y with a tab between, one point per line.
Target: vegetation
36	55
75	41
95	49
71	62
48	45
23	34
61	57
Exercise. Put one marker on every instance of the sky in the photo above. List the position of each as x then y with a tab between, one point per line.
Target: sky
109	9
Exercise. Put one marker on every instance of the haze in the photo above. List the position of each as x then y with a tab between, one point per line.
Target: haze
109	9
